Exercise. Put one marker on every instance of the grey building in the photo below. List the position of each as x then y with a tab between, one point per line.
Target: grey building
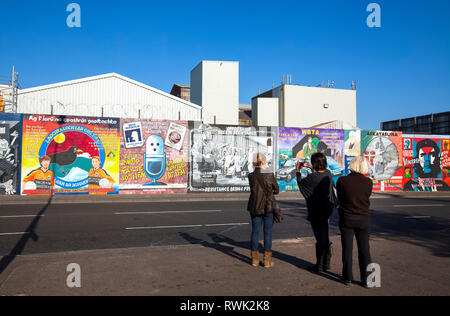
436	124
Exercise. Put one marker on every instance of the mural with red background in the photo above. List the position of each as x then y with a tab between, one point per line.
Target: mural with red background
426	162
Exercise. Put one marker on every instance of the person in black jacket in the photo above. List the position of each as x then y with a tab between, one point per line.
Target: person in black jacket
263	186
318	190
354	193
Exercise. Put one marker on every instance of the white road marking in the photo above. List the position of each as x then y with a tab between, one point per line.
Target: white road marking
7	234
231	224
21	216
159	227
186	226
417	205
166	212
293	208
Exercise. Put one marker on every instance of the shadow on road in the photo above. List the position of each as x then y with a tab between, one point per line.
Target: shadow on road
219	241
30	233
432	233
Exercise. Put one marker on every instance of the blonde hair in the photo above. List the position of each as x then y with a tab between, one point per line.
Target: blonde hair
259	159
359	165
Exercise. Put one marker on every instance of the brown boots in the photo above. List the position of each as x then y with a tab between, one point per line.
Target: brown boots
255	258
267	262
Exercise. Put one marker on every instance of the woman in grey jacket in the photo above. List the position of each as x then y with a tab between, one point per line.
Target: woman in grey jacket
263	186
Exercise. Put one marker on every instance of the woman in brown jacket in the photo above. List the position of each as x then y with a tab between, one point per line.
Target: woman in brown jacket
263	186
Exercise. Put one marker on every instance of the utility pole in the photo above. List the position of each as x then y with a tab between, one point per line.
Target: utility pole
14	84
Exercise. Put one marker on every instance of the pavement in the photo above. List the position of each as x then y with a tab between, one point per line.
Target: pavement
223	269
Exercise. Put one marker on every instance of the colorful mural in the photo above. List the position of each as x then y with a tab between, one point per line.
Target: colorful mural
299	144
10	140
352	147
383	151
153	156
221	157
426	163
70	155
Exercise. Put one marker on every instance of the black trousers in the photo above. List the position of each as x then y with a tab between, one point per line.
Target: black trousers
360	229
320	230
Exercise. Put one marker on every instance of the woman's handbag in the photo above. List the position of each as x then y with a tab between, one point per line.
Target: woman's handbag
277	213
272	203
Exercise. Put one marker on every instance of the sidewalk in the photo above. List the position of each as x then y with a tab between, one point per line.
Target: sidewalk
190	197
223	269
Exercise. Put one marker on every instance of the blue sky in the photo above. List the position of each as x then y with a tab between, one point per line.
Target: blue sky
402	69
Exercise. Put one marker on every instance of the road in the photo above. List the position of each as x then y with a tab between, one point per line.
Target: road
32	229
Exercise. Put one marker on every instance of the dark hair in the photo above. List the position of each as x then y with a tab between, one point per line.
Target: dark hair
319	161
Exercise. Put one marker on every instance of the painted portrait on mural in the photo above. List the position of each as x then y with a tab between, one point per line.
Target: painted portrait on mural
10	140
70	155
426	162
299	144
221	156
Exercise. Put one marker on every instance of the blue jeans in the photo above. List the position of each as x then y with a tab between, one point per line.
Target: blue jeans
257	222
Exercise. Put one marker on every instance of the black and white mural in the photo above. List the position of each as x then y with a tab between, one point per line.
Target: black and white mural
221	156
10	136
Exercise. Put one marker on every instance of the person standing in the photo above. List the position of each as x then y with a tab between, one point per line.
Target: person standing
263	186
354	193
318	190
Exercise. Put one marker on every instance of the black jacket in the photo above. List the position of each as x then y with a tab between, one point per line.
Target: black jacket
354	193
318	190
257	203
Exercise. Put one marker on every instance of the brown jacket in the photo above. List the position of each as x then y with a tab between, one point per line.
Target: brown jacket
257	203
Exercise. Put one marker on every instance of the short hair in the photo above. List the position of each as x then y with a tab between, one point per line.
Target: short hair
259	159
45	158
96	157
319	161
359	165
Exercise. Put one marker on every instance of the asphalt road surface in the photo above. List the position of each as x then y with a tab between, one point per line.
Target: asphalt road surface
30	229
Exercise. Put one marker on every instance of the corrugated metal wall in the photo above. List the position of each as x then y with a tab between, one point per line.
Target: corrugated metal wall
110	96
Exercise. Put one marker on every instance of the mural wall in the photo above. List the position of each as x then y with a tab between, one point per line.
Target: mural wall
70	155
383	151
221	157
153	156
299	144
426	163
42	154
10	140
352	148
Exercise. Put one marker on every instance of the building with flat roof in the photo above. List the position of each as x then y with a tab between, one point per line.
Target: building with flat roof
215	87
182	91
292	105
437	124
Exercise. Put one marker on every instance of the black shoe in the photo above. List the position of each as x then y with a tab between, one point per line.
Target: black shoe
315	268
347	282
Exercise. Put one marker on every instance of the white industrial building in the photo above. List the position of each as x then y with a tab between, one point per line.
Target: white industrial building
109	95
302	106
215	87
